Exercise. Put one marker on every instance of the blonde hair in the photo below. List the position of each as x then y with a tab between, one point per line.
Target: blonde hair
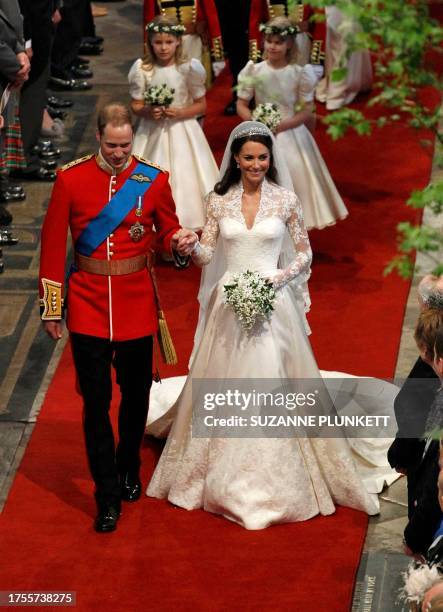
149	60
283	23
428	332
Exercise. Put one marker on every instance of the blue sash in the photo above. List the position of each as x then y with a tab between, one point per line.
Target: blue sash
118	207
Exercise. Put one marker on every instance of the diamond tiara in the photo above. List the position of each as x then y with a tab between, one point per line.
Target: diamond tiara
257	129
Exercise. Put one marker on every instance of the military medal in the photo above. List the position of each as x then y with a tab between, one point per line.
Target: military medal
139	209
137	230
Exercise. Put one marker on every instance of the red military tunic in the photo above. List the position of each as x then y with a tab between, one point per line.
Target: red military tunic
264	10
115	307
191	14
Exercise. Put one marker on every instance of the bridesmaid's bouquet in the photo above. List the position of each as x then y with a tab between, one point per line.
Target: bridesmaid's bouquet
251	296
268	114
159	95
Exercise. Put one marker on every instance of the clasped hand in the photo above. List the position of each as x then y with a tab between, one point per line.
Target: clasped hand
160	112
184	241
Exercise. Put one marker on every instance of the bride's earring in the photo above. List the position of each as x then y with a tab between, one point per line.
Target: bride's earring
238	165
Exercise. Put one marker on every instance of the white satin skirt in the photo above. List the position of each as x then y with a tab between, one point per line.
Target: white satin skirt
181	148
312	181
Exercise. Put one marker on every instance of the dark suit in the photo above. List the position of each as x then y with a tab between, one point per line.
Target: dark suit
425	513
11	41
412	406
69	34
234	22
39	28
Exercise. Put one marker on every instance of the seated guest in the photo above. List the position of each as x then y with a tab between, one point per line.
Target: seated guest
414	400
424	511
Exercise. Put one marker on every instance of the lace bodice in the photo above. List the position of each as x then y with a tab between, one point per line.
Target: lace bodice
259	247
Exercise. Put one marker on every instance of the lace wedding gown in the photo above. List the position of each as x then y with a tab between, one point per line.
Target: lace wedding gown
255	482
287	87
178	145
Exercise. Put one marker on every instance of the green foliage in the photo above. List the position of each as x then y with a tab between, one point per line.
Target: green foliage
400	35
431	196
346	118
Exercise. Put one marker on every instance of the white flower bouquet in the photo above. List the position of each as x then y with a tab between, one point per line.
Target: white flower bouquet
159	95
251	296
268	114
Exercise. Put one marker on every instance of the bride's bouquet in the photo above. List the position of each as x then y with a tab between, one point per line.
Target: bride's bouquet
159	95
268	114
251	296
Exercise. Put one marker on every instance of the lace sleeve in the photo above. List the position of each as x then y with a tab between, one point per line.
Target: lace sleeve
299	269
204	249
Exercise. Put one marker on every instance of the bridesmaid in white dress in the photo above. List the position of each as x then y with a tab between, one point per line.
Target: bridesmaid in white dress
291	88
171	136
359	69
255	224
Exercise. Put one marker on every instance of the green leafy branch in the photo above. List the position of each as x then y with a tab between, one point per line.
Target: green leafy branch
402	38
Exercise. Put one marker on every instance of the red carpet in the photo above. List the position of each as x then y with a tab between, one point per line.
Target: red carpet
163	558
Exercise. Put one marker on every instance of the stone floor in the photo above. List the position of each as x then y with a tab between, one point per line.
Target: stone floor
28	359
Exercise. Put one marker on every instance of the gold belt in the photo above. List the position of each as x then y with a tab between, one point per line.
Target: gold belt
113	267
117	267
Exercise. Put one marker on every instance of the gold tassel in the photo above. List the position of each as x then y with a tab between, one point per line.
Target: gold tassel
165	341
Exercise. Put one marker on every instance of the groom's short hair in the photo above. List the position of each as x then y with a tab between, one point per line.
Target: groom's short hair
113	113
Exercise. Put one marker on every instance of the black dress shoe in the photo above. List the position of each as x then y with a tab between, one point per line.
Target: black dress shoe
81	72
107	518
56	113
93	40
231	108
68	85
57	102
81	61
6	197
47	153
5	216
90	49
46	145
131	487
7	239
12	196
40	174
48	164
15	189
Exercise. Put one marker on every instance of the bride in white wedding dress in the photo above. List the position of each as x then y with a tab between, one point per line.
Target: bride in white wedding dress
253	223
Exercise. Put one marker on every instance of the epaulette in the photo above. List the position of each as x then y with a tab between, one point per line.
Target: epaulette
149	163
76	162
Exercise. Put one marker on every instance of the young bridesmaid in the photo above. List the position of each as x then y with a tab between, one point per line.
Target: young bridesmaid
169	134
280	81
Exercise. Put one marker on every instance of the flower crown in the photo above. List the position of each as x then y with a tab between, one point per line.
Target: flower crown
164	28
269	30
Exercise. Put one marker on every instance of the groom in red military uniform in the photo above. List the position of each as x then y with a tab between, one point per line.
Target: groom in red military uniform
110	202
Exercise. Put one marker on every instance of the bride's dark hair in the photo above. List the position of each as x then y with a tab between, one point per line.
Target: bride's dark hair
233	174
